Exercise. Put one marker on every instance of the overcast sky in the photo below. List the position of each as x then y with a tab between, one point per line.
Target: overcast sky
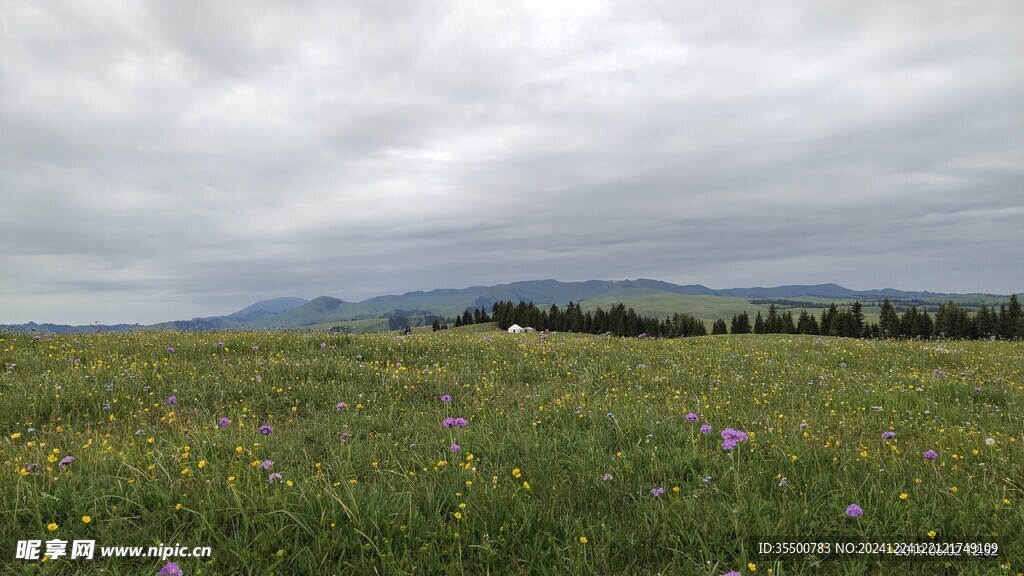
164	160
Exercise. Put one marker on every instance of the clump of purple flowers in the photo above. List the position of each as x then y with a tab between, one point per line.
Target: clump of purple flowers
446	398
255	348
171	569
274	476
266	430
31	467
344	437
455	422
854	511
657	491
172	400
224	422
170	350
607	477
731	437
455	448
341	406
691	417
888	435
266	464
66	461
705	429
931	455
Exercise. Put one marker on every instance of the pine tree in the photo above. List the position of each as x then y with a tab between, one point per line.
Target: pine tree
889	322
759	324
719	327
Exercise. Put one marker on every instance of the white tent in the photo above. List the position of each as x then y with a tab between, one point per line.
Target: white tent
515	329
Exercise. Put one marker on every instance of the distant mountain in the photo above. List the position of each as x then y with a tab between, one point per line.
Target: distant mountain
651	296
266	308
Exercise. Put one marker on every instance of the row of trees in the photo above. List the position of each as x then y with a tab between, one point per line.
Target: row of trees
618	320
949	321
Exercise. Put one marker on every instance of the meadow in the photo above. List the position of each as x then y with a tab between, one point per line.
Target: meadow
469	452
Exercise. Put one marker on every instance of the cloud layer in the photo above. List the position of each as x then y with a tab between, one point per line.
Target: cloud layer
162	161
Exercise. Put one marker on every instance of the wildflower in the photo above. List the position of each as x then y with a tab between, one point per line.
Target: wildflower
224	422
86	519
607	477
455	447
446	398
344	437
931	455
888	435
266	464
657	491
903	495
990	441
583	539
691	417
517	473
854	511
461	423
51	526
172	400
705	429
66	461
170	350
341	406
733	573
266	430
171	569
220	344
448	422
728	444
255	348
273	476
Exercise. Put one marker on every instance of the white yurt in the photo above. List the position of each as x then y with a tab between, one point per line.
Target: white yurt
515	329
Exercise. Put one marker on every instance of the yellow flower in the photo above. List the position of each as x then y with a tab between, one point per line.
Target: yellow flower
526	485
583	539
202	464
931	533
289	483
903	496
177	506
517	473
458	515
752	567
51	526
86	519
16	435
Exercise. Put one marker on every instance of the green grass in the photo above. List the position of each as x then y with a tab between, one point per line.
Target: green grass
548	418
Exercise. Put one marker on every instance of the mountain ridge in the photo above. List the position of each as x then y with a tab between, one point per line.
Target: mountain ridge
291	312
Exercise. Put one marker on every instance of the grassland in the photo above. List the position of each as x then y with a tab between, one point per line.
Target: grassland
577	455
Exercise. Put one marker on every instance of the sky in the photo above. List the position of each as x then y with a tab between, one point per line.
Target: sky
166	160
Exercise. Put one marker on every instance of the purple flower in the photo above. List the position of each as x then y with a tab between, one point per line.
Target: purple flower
854	511
657	491
705	429
455	447
170	350
733	573
341	406
220	344
728	444
803	425
66	461
607	477
266	430
931	455
344	437
172	400
255	348
31	467
448	422
461	423
737	435
266	464
224	422
323	344
171	569
446	398
273	476
691	417
888	435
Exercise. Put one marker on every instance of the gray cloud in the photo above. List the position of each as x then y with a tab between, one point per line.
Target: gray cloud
180	159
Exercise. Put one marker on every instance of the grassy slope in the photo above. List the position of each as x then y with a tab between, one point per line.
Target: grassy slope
548	419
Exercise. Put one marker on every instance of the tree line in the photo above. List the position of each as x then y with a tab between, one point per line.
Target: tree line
950	320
